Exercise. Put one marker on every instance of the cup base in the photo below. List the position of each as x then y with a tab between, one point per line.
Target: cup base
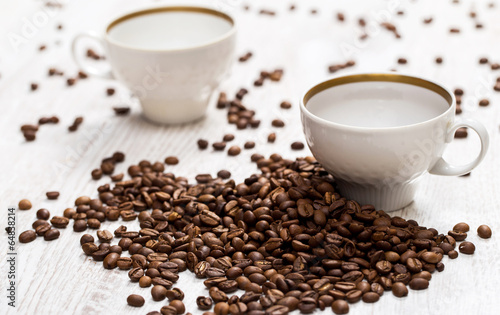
173	113
387	198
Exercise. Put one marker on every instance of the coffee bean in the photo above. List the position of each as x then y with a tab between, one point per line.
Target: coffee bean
458	236
370	297
179	306
219	146
484	231
79	225
51	235
135	300
461	227
86	238
110	91
27	236
439	60
453	254
34	86
89	248
96	174
108	168
228	138
454	30
121	110
204	303
171	160
419	284
59	222
221	308
51	195
110	262
297	145
342	307
286	105
484	102
159	292
278	123
399	289
271	137
24	204
70	81
402	61
175	294
43	214
245	57
234	150
467	248
483	60
104	236
249	145
461	132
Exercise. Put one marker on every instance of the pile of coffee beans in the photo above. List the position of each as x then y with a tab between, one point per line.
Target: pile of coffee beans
285	236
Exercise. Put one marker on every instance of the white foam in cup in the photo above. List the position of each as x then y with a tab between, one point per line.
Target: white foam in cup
171	58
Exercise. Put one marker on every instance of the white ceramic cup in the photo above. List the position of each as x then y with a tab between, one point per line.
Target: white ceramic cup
377	164
172	58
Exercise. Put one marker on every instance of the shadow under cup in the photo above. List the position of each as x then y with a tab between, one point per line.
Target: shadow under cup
171	58
377	134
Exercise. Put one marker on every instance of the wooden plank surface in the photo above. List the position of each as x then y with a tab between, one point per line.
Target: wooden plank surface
56	278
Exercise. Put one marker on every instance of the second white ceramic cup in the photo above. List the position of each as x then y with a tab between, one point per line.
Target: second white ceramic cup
171	58
381	165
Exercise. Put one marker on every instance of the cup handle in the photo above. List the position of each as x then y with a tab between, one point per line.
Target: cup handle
89	69
444	168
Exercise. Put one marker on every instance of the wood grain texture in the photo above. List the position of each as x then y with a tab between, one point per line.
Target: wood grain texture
57	278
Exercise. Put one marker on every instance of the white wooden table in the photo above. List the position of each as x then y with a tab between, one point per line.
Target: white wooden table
57	278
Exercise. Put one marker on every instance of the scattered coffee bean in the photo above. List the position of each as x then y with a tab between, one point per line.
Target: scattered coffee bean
145	282
202	144
43	214
27	236
399	289
70	81
179	306
461	227
297	145
219	146
370	297
82	75
391	28
419	284
453	254
76	123
204	303
245	57
224	174
228	138
249	145
439	60
267	12
484	231
340	17
340	307
52	195
51	235
234	150
467	248
286	105
336	67
461	132
110	91
241	93
483	61
96	173
159	293
34	86
271	137
454	30
86	238
121	111
171	160
402	61
135	300
24	204
484	102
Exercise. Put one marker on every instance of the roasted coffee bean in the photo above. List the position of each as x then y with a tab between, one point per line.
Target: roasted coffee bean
483	61
342	307
286	105
104	236
124	263
484	231
249	145
159	292
24	204
89	248
467	248
135	300
86	238
419	284
59	222
168	310
399	289
144	281
136	274
370	297
27	236
234	150
111	260
221	308
458	236
110	91
271	137
439	60
43	214
204	303
179	306
52	195
461	227
402	61
278	123
484	102
171	160
202	144
228	137
96	174
121	110
51	235
79	225
219	146
297	145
